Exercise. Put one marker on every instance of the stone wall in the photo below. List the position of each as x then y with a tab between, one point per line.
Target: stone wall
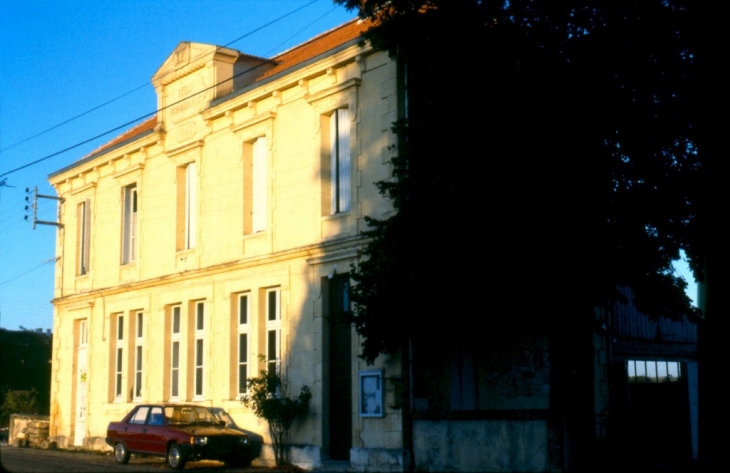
28	431
379	459
481	445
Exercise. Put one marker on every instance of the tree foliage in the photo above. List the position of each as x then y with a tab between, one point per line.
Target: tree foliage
549	156
265	398
25	356
19	401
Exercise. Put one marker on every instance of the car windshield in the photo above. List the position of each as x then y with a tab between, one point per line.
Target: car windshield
222	415
189	415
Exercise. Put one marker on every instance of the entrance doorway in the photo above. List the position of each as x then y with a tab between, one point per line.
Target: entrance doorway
659	412
82	348
339	364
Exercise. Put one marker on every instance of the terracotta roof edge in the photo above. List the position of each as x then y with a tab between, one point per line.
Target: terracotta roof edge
314	38
102	150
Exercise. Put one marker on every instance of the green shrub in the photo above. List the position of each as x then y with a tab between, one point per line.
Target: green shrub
19	402
265	397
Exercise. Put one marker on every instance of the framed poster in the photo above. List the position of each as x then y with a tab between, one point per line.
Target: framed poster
371	393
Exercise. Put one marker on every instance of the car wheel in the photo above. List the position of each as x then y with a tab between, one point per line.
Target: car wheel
121	454
175	457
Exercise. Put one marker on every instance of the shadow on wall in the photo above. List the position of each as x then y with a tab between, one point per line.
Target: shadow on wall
255	440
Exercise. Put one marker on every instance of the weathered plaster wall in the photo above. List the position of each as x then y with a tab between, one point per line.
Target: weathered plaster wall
486	446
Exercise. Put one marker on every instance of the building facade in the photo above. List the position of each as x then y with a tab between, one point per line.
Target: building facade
223	229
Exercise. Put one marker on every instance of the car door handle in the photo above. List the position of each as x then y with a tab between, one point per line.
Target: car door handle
144	431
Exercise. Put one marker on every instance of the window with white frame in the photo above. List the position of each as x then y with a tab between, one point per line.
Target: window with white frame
129	224
654	371
119	358
255	185
273	330
83	250
83	333
339	165
187	195
175	352
243	338
199	368
138	354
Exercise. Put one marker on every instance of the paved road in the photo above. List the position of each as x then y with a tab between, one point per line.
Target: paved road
31	460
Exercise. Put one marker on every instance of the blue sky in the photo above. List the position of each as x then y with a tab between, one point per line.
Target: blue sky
60	59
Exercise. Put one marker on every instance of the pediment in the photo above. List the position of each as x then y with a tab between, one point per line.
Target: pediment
188	57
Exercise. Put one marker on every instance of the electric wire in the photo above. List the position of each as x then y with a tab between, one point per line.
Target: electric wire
142	117
298	32
69	148
127	124
50	260
69	120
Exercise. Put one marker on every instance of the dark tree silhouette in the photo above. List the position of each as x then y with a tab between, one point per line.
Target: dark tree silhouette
26	358
549	156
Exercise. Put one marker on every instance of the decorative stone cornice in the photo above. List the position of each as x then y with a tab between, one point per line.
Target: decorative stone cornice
336	250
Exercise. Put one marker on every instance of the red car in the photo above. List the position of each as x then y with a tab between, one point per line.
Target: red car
179	432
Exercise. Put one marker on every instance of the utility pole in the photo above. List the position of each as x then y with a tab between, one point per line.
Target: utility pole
34	206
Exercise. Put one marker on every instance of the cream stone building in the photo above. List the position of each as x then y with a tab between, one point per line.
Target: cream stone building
221	229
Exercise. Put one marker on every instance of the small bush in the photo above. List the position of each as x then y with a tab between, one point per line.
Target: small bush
267	402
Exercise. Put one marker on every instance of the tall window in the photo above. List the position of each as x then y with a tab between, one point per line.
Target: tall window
119	358
138	351
83	251
130	230
255	185
187	195
243	331
339	135
83	334
273	330
199	369
175	353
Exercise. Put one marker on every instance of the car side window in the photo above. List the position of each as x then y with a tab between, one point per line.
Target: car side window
140	417
156	416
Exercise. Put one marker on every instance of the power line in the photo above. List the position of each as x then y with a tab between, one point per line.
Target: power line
50	260
298	32
271	23
72	119
78	144
58	125
168	106
126	124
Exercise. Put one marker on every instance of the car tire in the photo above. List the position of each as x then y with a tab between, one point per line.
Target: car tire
121	454
175	458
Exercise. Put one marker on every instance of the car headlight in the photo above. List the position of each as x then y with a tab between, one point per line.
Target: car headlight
200	441
243	440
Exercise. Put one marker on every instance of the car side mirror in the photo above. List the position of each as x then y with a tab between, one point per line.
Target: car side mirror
222	423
